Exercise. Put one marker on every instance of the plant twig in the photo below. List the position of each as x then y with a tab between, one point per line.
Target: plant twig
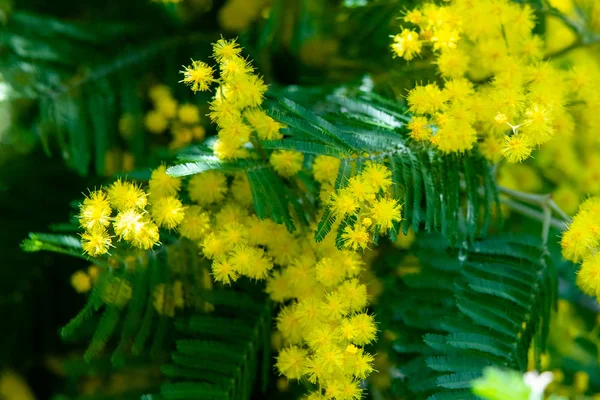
545	202
533	213
256	145
559	211
531	198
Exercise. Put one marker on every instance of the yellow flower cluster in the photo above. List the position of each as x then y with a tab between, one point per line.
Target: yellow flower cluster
235	107
182	120
132	222
497	88
581	242
365	198
323	320
325	326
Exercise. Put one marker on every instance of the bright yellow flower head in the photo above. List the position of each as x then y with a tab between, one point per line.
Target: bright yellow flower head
406	44
361	189
124	195
588	277
265	127
189	114
223	271
162	184
81	282
167	212
95	211
385	212
377	175
198	76
195	223
356	237
96	241
226	49
325	169
292	362
286	163
516	148
208	187
420	129
343	202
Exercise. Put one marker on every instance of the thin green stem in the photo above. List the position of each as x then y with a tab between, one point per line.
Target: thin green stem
545	202
546	221
258	148
559	211
531	198
533	213
575	45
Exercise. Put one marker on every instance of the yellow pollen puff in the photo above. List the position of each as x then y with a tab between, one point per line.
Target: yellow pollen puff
167	107
356	237
96	241
385	212
198	76
292	362
343	202
156	122
325	169
406	44
208	187
162	184
195	223
95	211
124	195
413	17
377	175
167	212
501	119
420	129
516	148
188	114
81	282
265	127
225	49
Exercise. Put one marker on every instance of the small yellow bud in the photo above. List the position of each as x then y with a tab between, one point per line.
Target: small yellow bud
81	282
501	119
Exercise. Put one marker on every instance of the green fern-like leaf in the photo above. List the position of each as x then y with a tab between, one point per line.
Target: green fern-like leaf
488	310
427	183
217	357
81	83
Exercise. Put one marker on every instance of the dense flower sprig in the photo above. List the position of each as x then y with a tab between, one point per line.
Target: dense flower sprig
580	243
363	199
235	107
498	90
131	221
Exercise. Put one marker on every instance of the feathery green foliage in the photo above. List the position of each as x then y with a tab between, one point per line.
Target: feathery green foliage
221	357
454	195
217	346
82	85
471	307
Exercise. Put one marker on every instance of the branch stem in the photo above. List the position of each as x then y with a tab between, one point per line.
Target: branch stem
533	213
